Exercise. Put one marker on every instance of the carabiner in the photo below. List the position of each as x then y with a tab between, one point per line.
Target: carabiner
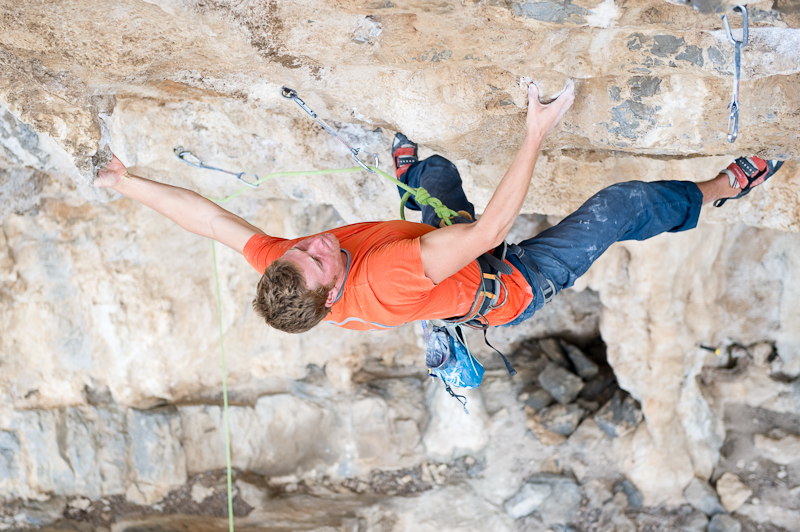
733	118
374	156
193	160
291	94
743	10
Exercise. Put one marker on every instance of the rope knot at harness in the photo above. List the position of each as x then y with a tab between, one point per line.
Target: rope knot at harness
423	198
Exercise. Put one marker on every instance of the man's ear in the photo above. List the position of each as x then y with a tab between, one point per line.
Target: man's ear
331	297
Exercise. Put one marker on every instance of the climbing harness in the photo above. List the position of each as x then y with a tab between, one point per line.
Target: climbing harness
192	160
487	298
291	94
733	119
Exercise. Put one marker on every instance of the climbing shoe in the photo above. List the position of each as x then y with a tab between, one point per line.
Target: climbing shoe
404	153
746	173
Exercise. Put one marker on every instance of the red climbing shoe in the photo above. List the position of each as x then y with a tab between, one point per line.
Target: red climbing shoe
747	173
404	153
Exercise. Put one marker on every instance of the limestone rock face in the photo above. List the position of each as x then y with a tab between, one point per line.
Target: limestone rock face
110	388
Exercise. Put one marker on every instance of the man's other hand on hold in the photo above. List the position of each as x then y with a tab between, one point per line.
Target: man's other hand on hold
112	174
543	118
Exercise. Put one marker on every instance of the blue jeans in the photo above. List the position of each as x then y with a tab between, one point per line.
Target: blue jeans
555	258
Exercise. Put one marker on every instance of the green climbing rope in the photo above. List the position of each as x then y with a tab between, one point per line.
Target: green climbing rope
225	420
422	197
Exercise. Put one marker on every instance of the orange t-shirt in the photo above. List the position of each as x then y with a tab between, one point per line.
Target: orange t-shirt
386	285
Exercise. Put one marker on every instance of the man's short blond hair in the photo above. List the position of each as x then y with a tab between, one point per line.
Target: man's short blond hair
284	300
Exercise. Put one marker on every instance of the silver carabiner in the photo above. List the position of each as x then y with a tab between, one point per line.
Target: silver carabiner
193	160
291	94
374	156
733	118
743	10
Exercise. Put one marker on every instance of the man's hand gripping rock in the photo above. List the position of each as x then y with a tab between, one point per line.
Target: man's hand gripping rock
112	175
543	118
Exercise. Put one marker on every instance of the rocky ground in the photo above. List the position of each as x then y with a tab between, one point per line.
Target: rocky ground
550	433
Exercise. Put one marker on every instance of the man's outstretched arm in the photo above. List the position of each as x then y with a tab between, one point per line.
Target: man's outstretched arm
446	251
188	209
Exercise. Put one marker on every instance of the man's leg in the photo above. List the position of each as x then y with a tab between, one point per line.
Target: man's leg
441	179
625	211
555	258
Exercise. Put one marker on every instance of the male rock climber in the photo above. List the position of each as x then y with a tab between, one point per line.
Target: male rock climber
377	275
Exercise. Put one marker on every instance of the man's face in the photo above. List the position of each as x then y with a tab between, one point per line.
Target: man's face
319	258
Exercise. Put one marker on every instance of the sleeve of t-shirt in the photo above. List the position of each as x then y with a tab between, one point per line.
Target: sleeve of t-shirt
395	273
261	250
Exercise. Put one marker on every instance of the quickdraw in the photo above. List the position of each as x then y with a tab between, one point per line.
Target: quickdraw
291	94
193	160
733	119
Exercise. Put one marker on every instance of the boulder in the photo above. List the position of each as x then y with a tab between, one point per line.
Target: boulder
703	497
732	491
601	387
724	523
535	397
694	521
253	494
562	419
552	349
584	366
635	498
782	451
563	385
555	498
527	499
619	416
565	501
546	436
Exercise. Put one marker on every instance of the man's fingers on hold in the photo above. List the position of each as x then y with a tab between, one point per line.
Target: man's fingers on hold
533	93
566	93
